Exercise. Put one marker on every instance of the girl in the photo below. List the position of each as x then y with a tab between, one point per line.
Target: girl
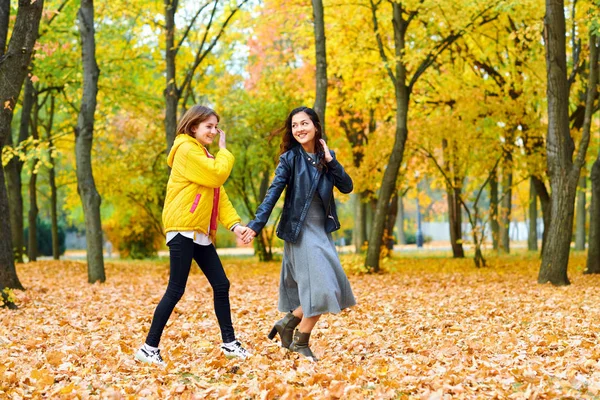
312	279
195	200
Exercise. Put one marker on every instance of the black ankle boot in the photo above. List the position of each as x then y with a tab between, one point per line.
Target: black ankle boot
285	328
300	345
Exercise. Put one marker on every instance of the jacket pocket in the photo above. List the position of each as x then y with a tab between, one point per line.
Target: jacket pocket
195	204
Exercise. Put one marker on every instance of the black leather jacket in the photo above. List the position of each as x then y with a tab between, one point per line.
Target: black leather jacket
302	179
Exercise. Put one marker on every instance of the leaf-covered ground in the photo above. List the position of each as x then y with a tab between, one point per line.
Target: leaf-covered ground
431	328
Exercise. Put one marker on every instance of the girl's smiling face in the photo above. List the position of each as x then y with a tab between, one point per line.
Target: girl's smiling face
304	130
206	131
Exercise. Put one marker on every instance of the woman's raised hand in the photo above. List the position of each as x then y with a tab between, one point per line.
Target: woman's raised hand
222	138
328	156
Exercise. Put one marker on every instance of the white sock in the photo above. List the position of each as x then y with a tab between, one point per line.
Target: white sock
230	344
150	349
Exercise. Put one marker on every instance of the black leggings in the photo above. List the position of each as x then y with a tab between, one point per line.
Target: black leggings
182	250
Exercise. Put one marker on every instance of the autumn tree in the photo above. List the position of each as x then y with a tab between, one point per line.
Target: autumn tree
200	45
84	136
563	170
593	259
404	71
321	58
14	68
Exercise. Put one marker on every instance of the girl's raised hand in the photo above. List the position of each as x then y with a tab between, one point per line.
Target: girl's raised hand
328	156
222	138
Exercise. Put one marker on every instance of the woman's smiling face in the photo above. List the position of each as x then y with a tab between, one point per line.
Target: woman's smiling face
206	131
303	129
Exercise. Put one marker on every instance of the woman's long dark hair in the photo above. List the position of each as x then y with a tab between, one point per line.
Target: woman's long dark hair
288	141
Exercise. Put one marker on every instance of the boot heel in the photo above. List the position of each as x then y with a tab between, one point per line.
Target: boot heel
273	333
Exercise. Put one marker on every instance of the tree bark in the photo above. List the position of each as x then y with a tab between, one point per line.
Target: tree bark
4	21
15	203
544	196
360	222
52	183
262	246
453	192
84	134
321	59
495	227
54	213
400	221
564	173
391	221
390	176
32	247
532	237
455	218
14	168
506	208
171	91
593	260
14	70
580	214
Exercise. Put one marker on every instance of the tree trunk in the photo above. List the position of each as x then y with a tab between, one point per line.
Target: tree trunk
359	236
390	176
391	221
32	248
494	210
15	203
321	59
171	92
400	221
453	192
593	259
455	218
4	21
14	168
53	213
370	210
506	208
564	173
260	247
265	253
542	193
84	134
14	70
8	273
580	214
532	237
52	183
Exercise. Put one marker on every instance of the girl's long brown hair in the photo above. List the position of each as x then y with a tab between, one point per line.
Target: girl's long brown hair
193	117
288	141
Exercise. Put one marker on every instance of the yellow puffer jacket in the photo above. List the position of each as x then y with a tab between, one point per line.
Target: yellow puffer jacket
195	196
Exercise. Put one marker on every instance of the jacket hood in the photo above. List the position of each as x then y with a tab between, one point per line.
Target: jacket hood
179	140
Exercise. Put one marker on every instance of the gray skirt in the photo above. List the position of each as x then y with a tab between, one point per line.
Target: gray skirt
311	272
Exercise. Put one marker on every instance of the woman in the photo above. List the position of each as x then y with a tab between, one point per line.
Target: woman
195	201
312	279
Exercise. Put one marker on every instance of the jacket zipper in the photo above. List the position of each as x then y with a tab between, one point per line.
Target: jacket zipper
331	216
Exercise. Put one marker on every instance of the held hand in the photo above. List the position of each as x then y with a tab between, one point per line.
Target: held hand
249	234
222	139
240	231
328	156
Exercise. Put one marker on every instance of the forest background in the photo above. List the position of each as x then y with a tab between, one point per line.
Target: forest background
480	112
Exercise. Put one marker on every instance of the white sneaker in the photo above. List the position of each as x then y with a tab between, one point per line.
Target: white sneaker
150	357
235	349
